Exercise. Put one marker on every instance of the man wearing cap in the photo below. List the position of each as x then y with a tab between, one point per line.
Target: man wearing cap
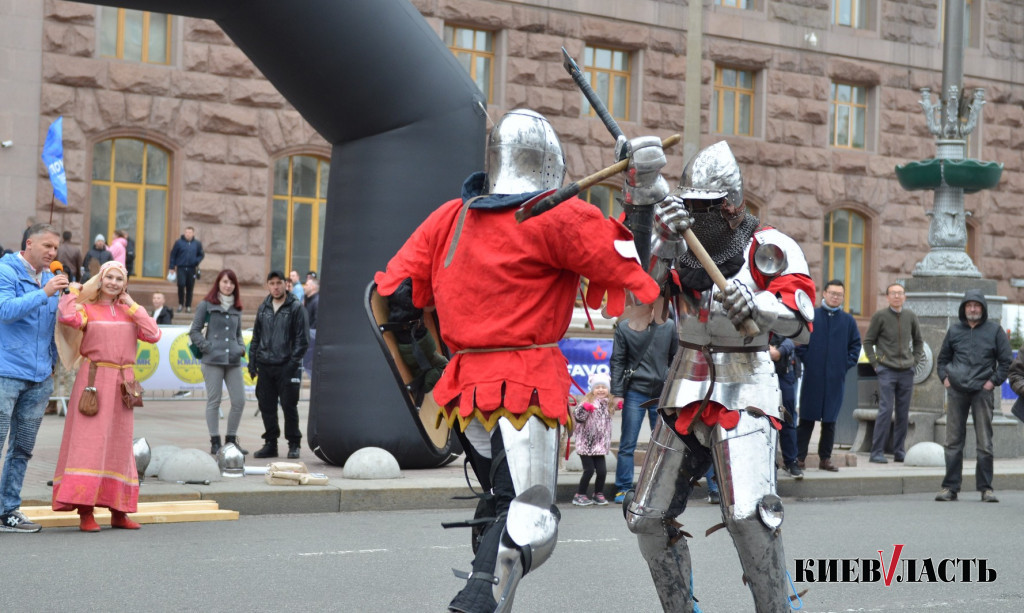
96	257
974	360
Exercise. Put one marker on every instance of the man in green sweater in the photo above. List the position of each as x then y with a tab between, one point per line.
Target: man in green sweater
887	346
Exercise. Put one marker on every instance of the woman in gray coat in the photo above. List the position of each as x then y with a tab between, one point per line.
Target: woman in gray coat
217	333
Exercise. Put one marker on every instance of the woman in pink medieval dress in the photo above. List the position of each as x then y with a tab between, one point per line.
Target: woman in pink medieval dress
99	324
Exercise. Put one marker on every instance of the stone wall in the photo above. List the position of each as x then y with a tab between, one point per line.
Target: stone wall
225	123
221	119
790	171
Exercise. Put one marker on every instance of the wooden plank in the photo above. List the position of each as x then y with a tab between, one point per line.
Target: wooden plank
143	507
148	513
71	519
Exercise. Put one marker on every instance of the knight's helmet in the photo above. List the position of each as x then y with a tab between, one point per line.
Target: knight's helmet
231	461
524	155
143	454
712	174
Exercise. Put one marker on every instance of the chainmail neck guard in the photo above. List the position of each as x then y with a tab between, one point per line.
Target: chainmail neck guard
724	245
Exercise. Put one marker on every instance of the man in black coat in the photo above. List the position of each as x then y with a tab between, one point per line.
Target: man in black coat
280	338
974	360
833	349
186	255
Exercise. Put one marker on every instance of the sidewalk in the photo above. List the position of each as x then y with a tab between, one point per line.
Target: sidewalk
182	423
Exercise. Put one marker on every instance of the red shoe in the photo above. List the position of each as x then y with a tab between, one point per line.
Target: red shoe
86	522
120	520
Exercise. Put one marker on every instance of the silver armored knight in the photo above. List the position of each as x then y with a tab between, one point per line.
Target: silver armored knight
721	403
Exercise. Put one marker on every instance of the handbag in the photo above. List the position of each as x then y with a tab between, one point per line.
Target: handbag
88	403
197	353
131	393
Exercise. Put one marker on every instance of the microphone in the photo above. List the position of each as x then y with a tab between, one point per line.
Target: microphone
58	269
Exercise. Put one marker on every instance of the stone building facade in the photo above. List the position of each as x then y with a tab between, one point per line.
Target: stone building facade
225	126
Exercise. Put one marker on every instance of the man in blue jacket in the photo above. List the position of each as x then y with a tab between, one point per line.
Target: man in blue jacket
834	348
974	360
28	355
186	255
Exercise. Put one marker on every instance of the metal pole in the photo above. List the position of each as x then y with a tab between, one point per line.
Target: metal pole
953	47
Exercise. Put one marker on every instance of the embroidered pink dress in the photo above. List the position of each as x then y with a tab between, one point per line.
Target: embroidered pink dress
96	465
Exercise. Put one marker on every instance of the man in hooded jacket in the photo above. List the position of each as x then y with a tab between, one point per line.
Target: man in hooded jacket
974	360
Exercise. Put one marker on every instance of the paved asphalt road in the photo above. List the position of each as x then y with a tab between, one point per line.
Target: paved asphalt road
400	561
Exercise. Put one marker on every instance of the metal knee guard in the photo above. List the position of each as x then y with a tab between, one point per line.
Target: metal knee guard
745	467
523	537
665	483
531	529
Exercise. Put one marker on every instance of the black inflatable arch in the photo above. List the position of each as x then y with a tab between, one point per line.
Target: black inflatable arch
406	125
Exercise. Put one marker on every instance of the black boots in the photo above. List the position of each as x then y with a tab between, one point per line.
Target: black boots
293	452
215	444
269	450
231	438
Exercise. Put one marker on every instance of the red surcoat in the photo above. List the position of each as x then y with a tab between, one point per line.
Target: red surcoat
511	286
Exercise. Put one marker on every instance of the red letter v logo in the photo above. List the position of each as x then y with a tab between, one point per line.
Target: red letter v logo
889	571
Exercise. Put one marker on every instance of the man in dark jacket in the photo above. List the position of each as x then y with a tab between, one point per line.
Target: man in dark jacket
834	348
974	360
894	346
280	338
186	255
639	366
95	257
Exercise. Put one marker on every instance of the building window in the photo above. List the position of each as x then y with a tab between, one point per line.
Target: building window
734	101
474	49
736	4
850	13
607	71
844	255
130	192
299	210
606	198
138	36
848	116
971	35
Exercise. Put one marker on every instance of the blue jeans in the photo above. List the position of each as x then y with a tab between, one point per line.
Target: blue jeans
22	404
712	482
632	420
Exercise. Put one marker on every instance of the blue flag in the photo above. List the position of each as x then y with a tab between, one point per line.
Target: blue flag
53	158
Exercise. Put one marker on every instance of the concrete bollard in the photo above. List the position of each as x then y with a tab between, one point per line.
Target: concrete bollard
190	465
371	463
926	454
